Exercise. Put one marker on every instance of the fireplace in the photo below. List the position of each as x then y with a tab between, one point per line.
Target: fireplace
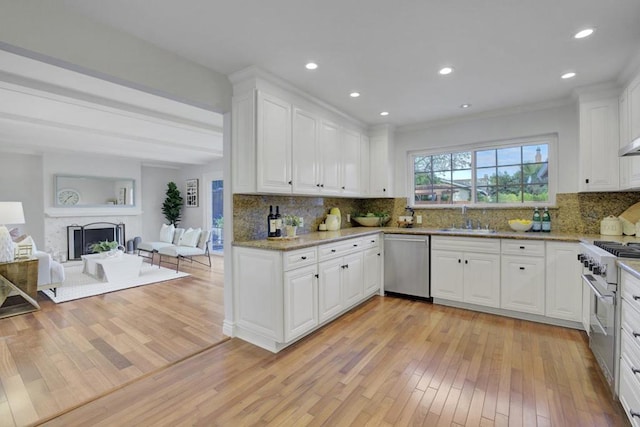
80	238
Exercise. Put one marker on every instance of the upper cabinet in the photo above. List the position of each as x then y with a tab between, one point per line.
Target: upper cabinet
629	109
633	94
287	143
381	158
599	142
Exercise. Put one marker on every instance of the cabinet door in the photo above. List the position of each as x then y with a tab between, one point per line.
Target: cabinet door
372	271
599	133
482	279
330	288
353	279
379	171
447	275
365	165
331	154
633	92
350	163
306	166
273	144
523	284
243	131
563	283
300	301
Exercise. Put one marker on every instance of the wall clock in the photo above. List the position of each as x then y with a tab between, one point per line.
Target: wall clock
68	197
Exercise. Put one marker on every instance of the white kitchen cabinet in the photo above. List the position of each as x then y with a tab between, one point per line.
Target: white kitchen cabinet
330	154
630	165
372	261
599	142
350	163
523	284
300	301
273	144
243	147
305	150
633	93
353	279
563	283
471	275
365	166
381	161
586	308
629	392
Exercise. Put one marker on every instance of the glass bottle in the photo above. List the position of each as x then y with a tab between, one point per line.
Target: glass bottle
537	220
546	221
271	223
278	218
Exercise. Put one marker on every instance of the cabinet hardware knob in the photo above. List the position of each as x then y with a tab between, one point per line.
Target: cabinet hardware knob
635	371
466	261
346	266
459	261
322	185
373	241
333	250
316	275
343	187
355	246
635	334
586	180
290	182
634	414
317	185
303	257
384	189
521	268
636	297
378	254
521	247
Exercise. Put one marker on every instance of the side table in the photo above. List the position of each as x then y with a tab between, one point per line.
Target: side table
20	276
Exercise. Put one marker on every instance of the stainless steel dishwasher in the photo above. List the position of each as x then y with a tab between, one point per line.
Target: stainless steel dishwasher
406	265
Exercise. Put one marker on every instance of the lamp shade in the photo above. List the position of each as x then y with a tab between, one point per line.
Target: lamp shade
11	213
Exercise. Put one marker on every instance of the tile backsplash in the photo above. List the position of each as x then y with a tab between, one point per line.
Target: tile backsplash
573	213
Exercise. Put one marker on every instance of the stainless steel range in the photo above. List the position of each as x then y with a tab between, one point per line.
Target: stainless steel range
601	274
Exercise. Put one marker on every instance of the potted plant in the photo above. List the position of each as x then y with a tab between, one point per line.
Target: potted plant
291	223
105	247
172	206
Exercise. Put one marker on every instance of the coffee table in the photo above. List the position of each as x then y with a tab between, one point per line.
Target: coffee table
112	268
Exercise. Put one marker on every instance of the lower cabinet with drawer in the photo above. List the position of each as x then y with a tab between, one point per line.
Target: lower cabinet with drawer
280	296
629	372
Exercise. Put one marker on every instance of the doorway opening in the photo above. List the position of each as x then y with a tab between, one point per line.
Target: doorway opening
217	216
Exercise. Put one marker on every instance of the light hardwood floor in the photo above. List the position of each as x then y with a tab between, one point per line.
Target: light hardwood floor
389	362
71	353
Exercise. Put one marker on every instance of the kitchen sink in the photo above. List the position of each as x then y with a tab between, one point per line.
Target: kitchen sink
468	230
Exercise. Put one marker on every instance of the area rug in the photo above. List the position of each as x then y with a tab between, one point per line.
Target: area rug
79	285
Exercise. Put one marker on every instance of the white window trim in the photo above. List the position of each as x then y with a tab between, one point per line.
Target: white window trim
513	142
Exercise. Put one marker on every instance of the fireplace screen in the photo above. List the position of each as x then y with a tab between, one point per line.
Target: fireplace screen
80	238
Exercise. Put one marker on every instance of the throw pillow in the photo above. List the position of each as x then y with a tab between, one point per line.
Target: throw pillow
166	233
190	237
202	242
15	234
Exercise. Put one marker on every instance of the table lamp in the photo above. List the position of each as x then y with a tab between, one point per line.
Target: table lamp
10	213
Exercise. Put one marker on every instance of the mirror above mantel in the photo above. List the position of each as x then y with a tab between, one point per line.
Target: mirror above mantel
75	191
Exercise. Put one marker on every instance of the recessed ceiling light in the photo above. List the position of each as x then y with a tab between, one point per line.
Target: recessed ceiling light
465	106
354	94
384	113
446	70
311	66
568	75
583	33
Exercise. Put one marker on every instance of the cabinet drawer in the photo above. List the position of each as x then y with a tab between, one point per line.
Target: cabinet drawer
630	350
466	244
629	393
299	258
631	289
331	250
372	241
630	319
523	247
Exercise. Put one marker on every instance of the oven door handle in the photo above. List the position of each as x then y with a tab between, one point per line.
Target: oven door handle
588	279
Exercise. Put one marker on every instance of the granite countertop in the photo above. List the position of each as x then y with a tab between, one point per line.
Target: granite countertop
321	237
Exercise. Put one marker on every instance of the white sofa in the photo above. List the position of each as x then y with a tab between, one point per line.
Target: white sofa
172	254
149	249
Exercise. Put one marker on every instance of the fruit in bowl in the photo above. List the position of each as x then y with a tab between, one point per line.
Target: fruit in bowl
371	220
520	224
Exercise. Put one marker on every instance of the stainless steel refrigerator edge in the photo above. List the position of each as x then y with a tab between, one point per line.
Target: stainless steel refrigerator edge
406	265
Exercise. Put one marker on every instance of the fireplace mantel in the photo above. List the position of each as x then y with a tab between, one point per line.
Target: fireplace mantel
91	212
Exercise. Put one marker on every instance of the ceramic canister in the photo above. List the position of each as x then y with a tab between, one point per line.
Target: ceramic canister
332	222
611	226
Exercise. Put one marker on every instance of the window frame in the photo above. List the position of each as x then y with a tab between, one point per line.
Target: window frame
550	139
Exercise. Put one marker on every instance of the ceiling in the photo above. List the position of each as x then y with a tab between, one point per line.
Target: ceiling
505	53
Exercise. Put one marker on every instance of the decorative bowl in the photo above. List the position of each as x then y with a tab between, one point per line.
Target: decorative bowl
371	221
520	224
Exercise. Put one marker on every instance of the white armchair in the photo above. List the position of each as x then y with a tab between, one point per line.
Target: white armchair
169	236
50	272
